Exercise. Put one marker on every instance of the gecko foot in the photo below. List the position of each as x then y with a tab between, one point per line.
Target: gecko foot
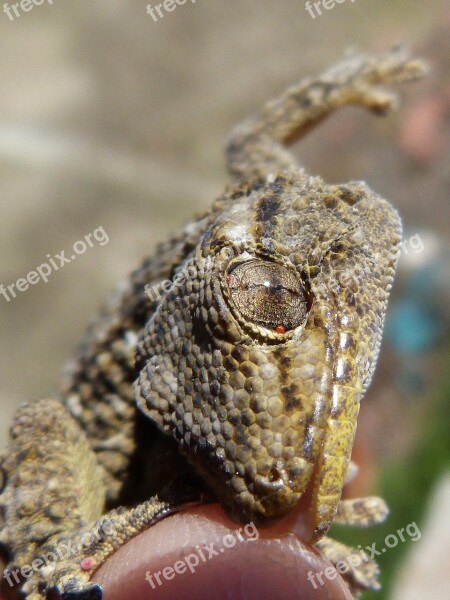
358	570
91	592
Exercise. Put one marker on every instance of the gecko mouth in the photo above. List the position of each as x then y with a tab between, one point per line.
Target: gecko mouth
202	554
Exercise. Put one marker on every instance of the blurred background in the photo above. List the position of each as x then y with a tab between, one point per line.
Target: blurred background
111	119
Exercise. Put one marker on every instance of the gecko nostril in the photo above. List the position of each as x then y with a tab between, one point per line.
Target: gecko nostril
267	485
274	475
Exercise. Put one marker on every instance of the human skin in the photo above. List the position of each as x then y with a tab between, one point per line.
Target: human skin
271	562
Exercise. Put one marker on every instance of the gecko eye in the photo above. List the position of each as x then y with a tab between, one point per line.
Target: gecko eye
268	294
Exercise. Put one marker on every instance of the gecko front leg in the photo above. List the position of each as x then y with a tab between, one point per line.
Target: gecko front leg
53	505
257	147
54	486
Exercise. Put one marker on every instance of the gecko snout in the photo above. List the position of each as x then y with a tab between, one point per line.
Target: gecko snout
273	492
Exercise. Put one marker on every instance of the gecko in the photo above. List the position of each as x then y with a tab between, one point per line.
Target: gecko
230	365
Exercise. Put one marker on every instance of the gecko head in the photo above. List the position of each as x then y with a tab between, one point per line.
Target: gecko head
259	352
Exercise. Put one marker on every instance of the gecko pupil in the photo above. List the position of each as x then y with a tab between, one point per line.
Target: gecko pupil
268	294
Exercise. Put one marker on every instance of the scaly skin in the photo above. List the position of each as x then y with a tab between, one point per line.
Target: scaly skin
248	368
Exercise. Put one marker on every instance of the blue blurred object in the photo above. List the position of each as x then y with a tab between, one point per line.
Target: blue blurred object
415	323
412	328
